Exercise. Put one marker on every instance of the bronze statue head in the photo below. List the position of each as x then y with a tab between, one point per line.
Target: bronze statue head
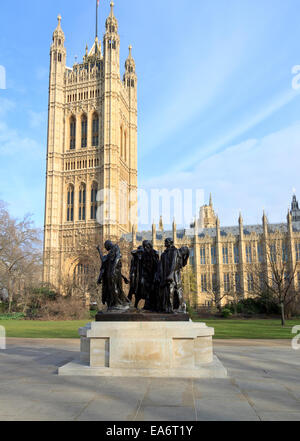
169	242
147	245
108	245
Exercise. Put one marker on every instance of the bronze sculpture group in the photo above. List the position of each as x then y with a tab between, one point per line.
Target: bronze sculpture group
155	280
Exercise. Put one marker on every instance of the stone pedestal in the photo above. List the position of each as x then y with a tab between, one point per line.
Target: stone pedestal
146	349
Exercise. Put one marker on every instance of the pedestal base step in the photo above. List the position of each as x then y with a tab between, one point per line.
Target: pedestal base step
140	317
207	370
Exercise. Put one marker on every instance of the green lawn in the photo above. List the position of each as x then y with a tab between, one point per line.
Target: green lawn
252	328
37	329
225	329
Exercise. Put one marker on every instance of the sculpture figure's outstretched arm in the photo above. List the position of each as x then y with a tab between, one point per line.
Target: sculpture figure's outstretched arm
100	253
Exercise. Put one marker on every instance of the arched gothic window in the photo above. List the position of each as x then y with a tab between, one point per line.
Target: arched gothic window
83	131
70	204
94	192
95	131
125	146
72	133
82	202
81	274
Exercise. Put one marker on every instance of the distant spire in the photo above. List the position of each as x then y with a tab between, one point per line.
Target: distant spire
161	225
295	211
210	200
295	205
264	218
58	30
112	9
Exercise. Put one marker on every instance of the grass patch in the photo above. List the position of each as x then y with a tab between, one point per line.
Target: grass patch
224	328
39	329
251	328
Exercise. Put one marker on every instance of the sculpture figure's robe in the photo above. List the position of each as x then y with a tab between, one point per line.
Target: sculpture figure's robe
144	265
170	284
111	277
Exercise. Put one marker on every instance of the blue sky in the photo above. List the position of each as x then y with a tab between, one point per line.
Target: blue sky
217	110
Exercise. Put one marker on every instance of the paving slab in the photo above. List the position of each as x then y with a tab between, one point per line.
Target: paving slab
107	408
166	413
263	385
226	408
280	416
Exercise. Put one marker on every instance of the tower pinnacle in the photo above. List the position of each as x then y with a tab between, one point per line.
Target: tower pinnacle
295	211
58	32
111	21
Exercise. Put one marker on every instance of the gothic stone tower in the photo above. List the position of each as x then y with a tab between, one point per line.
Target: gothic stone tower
91	182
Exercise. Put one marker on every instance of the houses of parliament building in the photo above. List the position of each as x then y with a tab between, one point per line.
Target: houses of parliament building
92	148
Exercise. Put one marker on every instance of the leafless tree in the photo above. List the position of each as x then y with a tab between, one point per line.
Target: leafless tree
189	284
216	292
276	275
20	256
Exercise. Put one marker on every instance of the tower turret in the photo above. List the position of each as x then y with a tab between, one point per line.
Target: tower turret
130	77
56	101
265	224
295	211
111	44
57	53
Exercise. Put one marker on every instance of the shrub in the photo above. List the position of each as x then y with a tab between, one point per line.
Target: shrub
226	312
63	308
3	307
14	316
254	306
93	313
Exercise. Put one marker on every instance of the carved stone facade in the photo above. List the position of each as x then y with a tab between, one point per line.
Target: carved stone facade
92	151
231	258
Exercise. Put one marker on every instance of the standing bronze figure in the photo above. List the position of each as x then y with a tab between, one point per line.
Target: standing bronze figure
111	278
169	275
150	261
144	266
136	276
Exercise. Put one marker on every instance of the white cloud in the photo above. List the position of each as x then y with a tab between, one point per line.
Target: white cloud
37	119
22	168
6	106
42	73
275	105
250	176
12	143
195	84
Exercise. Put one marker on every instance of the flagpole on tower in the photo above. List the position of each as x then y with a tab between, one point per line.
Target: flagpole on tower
97	6
96	38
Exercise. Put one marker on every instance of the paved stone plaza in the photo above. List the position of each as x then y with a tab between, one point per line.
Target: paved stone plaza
263	384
